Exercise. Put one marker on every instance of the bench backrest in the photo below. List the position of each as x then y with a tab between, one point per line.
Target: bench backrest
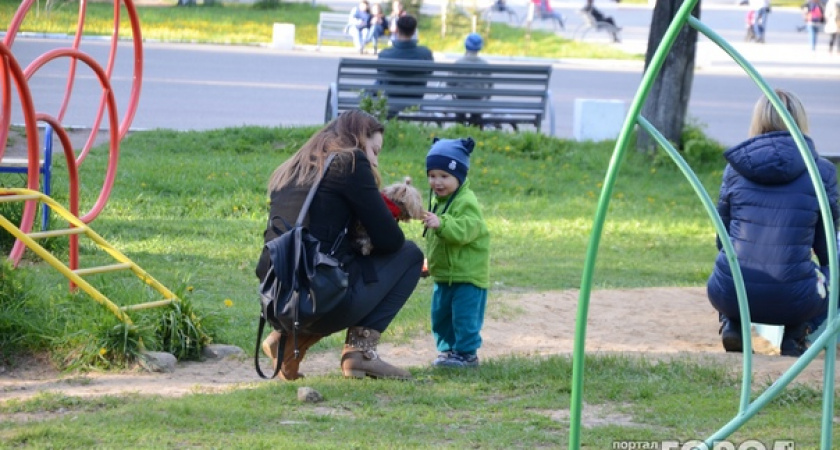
333	20
518	91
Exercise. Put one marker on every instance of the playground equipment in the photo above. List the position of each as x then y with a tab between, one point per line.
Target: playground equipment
826	341
11	73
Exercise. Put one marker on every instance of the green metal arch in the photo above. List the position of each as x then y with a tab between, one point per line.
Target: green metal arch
828	338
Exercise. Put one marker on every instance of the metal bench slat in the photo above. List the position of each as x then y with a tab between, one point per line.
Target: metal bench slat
444	92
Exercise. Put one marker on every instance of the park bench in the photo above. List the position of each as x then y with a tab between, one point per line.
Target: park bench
333	27
485	95
589	23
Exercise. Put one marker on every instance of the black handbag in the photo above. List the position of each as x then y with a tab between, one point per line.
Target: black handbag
302	283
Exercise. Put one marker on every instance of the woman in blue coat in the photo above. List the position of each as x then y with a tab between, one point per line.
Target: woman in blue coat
770	210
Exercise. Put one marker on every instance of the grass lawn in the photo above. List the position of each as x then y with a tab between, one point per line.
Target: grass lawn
197	227
190	208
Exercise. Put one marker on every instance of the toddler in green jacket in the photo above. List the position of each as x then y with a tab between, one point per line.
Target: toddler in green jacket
458	251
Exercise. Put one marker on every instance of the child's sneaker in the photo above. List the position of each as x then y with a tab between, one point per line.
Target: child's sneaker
459	360
441	357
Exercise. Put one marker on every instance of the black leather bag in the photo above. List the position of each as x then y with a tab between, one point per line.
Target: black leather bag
302	283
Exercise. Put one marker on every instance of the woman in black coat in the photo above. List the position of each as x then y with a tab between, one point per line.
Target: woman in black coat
381	282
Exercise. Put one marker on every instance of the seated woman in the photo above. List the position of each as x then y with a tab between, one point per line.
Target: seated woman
599	16
378	26
769	208
380	283
358	25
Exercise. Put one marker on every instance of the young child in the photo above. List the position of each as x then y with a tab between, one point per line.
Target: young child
458	250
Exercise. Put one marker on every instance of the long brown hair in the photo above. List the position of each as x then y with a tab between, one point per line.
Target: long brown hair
348	132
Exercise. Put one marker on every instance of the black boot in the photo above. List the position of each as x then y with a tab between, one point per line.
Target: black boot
795	340
730	334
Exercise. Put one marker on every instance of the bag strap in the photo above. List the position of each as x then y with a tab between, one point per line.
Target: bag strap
305	208
282	344
280	347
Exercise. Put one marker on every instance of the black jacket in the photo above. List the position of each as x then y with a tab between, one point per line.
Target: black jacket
347	194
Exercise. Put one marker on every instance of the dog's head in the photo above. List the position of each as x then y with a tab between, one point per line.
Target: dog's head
407	198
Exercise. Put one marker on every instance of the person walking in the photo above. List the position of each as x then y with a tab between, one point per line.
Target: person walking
760	9
814	14
832	24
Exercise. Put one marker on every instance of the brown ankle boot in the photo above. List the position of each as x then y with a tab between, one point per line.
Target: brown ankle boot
359	358
289	369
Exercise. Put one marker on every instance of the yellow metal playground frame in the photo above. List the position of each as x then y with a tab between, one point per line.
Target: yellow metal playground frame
77	227
827	341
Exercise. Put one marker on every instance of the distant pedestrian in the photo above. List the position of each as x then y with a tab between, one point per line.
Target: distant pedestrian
832	24
760	8
814	13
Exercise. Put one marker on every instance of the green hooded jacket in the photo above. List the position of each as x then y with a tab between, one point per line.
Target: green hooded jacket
459	250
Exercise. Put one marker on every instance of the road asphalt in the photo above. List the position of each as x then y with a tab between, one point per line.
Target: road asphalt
189	86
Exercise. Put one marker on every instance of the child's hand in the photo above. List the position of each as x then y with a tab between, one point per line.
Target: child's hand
431	220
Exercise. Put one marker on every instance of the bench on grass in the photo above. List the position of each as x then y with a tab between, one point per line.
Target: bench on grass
485	95
333	27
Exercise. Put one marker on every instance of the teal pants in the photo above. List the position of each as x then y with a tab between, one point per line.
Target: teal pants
457	317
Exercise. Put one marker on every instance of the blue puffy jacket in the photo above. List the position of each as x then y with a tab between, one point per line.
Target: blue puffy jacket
770	210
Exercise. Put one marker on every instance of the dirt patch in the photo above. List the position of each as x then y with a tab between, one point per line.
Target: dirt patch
659	323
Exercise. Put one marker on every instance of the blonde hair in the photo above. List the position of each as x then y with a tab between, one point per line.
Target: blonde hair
766	119
345	134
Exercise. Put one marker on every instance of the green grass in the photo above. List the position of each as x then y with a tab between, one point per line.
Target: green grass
508	403
251	24
197	227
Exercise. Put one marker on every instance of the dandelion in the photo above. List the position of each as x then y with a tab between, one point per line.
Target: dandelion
228	302
189	288
103	351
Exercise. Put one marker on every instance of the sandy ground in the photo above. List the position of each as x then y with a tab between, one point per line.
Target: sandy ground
652	323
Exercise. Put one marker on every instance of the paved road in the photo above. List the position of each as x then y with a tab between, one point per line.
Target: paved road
197	87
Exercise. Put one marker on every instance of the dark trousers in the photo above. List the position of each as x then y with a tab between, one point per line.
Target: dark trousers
374	305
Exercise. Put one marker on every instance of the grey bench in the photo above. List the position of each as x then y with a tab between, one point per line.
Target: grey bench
333	27
486	95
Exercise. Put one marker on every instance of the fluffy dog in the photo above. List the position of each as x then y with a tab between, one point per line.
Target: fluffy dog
405	203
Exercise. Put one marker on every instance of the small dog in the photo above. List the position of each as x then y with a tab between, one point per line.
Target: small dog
405	203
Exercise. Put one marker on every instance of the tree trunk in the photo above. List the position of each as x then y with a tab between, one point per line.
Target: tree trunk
667	102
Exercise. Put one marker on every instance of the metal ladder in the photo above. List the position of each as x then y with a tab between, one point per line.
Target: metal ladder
77	227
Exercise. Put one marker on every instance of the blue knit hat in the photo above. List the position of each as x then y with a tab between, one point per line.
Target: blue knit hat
452	156
473	42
